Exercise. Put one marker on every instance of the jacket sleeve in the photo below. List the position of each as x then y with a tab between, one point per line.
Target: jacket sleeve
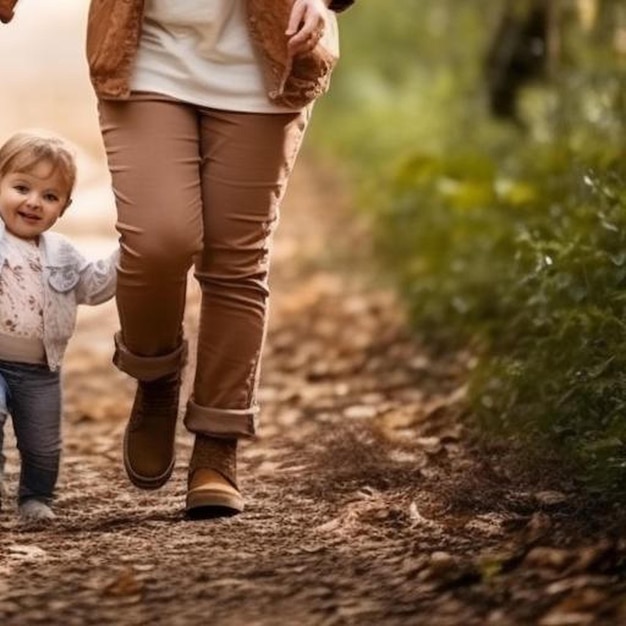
97	280
6	10
340	5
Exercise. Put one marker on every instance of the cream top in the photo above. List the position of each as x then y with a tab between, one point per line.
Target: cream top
21	289
21	302
199	51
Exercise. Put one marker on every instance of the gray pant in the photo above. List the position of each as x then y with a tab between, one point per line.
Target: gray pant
31	394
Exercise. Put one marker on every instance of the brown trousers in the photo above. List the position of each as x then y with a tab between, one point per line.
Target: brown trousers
197	186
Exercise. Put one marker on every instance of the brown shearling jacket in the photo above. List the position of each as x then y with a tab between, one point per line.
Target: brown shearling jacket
114	28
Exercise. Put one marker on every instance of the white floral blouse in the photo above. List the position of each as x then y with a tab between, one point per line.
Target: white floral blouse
21	289
57	280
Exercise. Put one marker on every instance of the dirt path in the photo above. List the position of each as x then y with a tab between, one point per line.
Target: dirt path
365	503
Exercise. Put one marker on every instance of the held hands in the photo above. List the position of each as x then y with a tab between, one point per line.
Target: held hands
306	25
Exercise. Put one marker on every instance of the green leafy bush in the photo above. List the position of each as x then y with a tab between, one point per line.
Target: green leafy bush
512	241
532	270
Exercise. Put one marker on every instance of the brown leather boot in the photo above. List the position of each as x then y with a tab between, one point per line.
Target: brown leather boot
212	484
150	434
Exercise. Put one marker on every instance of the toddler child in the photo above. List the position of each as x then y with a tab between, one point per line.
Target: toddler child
43	278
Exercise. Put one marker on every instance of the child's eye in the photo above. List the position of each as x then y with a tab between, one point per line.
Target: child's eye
21	188
50	197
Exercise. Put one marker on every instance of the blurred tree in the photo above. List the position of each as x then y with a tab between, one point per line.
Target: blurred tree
526	44
523	46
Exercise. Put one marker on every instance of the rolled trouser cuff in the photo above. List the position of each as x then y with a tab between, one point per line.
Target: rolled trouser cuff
231	423
148	368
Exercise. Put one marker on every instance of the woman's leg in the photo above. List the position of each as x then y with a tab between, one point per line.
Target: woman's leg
247	159
152	146
246	162
153	154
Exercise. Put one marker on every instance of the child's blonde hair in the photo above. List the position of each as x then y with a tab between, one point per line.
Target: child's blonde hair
26	149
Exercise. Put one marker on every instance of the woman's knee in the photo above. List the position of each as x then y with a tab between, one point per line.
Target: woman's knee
231	268
168	250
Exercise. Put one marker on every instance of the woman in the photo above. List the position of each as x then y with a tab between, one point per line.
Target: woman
203	105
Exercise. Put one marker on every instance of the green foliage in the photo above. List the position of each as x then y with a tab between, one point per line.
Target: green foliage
398	69
513	241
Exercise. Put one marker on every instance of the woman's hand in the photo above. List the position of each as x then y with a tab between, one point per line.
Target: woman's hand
306	25
6	10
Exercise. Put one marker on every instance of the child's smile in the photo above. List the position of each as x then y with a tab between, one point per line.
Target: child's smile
31	202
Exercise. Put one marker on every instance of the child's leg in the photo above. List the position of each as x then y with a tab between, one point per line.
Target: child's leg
4	413
3	419
36	413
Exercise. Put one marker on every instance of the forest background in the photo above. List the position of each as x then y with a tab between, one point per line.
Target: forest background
487	141
469	157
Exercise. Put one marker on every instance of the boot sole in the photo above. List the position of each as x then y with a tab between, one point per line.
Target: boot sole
207	502
145	482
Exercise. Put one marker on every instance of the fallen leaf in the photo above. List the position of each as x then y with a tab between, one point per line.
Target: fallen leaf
125	584
27	552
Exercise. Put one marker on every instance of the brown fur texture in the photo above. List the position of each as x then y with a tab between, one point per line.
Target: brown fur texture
114	29
113	32
6	10
291	82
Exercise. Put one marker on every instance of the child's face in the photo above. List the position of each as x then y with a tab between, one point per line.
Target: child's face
30	203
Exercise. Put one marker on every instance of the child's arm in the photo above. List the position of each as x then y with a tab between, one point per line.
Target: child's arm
97	280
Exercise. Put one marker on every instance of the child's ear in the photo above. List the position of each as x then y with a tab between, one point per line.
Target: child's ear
67	204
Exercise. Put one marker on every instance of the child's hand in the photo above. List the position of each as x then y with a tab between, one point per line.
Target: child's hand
306	25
